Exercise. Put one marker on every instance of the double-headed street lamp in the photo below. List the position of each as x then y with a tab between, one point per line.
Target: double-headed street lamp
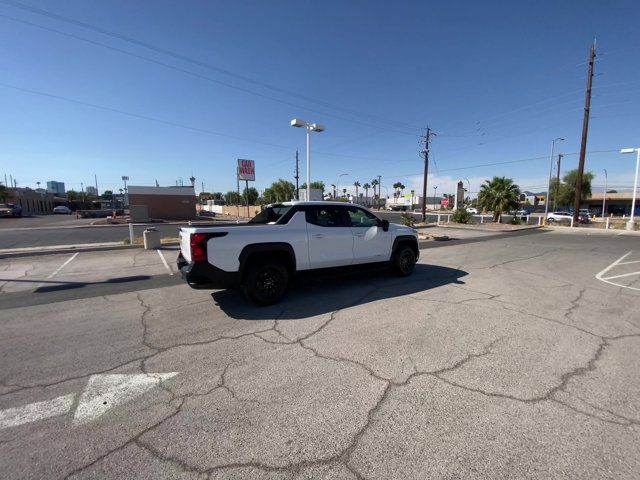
546	202
631	224
310	127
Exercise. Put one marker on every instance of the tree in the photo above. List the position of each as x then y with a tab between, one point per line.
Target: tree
232	198
315	185
280	191
499	195
357	185
4	192
250	194
72	195
344	192
333	190
366	187
567	188
396	188
374	183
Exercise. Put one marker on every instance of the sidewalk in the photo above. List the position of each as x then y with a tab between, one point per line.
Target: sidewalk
85	247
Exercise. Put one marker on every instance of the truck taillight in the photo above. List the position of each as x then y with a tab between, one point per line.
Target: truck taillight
199	247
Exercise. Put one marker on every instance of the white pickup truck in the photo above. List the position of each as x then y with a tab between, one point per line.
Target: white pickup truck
263	255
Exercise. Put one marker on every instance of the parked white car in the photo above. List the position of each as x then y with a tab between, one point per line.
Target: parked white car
559	217
62	209
472	210
263	255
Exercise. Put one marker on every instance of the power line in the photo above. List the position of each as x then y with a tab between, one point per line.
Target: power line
142	117
188	59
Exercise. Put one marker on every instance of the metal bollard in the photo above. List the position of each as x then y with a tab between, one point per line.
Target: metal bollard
131	233
606	224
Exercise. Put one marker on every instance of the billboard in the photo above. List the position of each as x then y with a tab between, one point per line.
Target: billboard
246	170
444	202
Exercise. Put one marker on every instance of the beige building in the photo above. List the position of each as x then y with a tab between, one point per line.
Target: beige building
168	203
33	202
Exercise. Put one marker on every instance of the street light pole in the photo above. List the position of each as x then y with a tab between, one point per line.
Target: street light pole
631	224
546	202
435	196
310	127
604	195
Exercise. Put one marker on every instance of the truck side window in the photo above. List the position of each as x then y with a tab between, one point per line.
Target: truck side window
362	218
326	216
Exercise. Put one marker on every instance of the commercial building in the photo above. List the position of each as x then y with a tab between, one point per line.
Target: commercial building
618	203
170	203
57	188
32	202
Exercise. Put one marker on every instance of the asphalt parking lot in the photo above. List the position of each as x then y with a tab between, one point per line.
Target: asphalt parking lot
507	356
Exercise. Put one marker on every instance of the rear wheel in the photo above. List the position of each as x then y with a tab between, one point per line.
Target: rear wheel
551	220
404	261
266	283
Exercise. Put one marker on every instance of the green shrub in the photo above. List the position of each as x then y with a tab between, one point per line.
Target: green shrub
516	220
407	219
461	216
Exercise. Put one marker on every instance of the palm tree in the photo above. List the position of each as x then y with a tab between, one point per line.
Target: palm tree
402	187
366	187
356	184
396	188
375	182
344	192
333	190
4	192
498	195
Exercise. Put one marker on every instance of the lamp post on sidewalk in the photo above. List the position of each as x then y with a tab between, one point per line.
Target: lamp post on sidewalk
604	195
309	127
546	201
631	224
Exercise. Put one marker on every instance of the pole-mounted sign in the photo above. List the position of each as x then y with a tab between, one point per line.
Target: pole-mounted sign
247	172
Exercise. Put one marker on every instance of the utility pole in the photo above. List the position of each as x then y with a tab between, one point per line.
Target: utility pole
202	183
379	189
95	178
426	173
555	194
297	177
585	128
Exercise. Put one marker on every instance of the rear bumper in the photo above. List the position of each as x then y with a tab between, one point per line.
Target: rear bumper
205	275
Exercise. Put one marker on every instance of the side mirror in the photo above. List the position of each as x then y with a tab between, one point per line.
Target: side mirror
385	225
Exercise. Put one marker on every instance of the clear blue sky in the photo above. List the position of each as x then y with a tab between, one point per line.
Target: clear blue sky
496	80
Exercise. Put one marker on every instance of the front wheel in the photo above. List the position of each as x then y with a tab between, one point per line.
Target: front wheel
551	220
404	261
266	283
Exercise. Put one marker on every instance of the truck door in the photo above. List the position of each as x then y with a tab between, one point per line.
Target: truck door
370	242
330	237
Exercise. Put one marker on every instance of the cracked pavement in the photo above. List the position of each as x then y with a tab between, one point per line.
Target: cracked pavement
504	358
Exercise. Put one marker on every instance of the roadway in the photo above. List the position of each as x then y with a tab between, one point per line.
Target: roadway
509	357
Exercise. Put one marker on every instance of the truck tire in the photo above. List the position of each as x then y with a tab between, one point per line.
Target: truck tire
404	260
266	282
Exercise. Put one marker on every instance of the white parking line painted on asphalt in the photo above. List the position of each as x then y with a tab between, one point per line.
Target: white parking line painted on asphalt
104	392
600	276
164	261
12	417
63	265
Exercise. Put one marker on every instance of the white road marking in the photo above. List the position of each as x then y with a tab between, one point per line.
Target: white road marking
600	276
13	417
104	392
63	265
629	263
620	276
166	265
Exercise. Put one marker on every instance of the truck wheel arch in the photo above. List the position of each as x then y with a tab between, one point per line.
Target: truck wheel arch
405	240
258	251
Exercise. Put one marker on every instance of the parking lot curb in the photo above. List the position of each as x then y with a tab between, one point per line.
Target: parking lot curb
474	229
52	250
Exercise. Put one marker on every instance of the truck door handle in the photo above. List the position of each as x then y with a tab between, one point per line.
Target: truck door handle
318	235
